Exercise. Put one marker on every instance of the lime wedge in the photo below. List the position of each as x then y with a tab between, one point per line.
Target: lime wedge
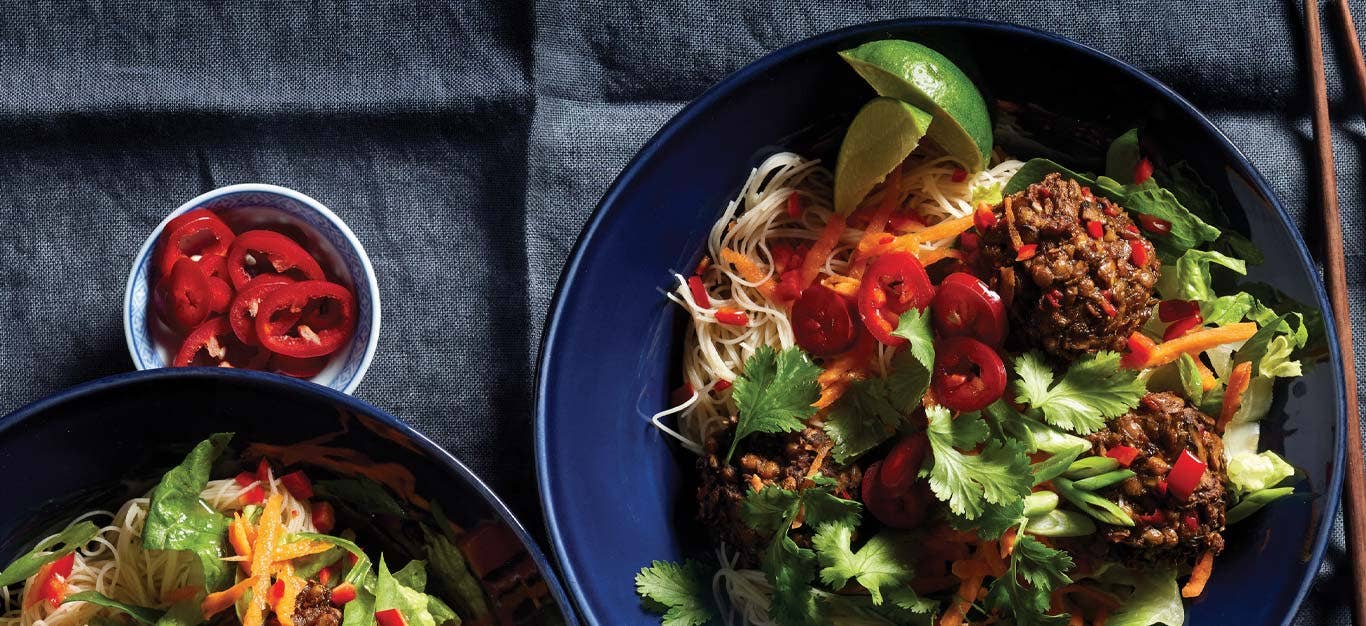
883	133
908	71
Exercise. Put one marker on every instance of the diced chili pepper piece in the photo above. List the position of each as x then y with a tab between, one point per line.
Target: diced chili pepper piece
254	495
969	241
213	344
50	583
1138	252
1140	351
389	617
699	292
1172	310
1124	454
682	394
1191	522
263	472
1026	251
244	479
1181	327
277	591
261	252
196	237
306	319
1155	225
1095	229
722	385
983	217
297	484
1105	303
182	297
959	175
1143	170
343	593
794	206
731	317
1185	476
324	516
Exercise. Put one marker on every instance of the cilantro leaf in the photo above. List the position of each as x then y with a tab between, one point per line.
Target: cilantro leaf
766	510
1093	390
870	411
790	568
1034	572
682	591
914	327
994	521
999	474
775	393
883	561
822	507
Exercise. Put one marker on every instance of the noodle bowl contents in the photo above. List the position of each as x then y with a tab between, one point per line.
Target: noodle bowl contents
270	545
940	385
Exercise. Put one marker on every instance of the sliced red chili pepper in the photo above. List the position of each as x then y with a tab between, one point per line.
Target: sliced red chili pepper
277	591
790	285
182	298
298	484
894	283
220	295
1191	522
1105	303
1185	476
885	239
902	511
49	584
1155	225
263	472
1124	454
258	252
1162	487
213	344
1181	327
682	394
1095	229
969	241
731	317
187	217
255	495
699	292
324	516
1129	231
343	593
959	175
1026	251
968	374
965	306
794	206
902	464
244	479
722	385
298	368
822	322
1172	310
1138	252
288	319
983	217
198	236
1086	193
324	574
389	617
1140	351
1143	170
1045	192
214	266
245	305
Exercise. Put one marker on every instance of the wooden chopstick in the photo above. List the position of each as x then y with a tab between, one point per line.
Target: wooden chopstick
1335	273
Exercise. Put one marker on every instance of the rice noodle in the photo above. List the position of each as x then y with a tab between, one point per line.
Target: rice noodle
116	564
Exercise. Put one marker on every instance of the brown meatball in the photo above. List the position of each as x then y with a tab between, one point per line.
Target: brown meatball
1166	531
1077	294
774	459
313	607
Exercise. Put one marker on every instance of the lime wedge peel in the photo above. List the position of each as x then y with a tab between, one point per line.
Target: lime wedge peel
882	135
913	73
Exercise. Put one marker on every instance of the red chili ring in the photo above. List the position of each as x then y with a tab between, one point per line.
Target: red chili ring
282	319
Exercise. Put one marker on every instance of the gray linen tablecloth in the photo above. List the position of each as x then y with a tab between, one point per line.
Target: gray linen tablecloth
466	145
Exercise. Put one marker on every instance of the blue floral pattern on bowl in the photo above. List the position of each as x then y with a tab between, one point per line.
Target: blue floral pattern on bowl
318	229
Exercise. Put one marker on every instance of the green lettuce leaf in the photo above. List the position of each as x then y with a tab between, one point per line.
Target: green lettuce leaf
1155	600
452	572
1255	472
367	495
178	519
1122	158
1189	277
140	613
396	591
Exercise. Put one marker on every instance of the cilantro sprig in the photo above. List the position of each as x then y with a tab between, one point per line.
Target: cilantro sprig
1093	390
883	562
1035	570
998	474
682	592
775	393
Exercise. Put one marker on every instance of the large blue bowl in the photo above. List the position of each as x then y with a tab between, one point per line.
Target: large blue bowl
610	481
98	444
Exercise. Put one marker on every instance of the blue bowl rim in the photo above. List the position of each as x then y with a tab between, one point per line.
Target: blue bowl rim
371	281
736	80
549	573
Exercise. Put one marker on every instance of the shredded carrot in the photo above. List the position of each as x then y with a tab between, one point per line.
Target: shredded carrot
284	607
1199	341
821	250
884	243
268	534
239	535
1102	616
217	601
1008	542
180	593
945	229
748	270
345	461
1199	576
1076	619
841	371
1207	379
756	483
291	551
935	255
990	555
967	593
891	196
818	461
1238	381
